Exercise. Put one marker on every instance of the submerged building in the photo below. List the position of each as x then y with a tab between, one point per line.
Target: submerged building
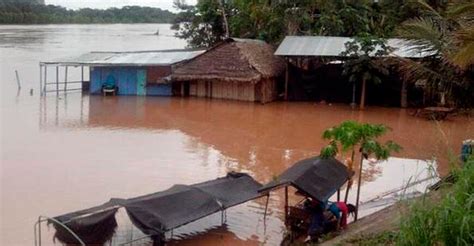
237	69
142	73
315	72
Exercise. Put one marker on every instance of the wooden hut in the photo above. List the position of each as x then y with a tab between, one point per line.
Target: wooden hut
238	69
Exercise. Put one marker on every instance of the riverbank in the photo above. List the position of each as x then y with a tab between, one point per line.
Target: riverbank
440	217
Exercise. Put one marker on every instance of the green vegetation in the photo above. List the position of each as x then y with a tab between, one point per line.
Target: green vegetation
447	32
450	222
350	135
31	13
434	220
443	28
204	25
365	63
386	238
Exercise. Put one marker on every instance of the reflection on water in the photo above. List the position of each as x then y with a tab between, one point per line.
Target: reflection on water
61	154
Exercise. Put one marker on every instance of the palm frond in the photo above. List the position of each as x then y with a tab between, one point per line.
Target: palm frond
424	34
463	55
414	71
461	11
426	8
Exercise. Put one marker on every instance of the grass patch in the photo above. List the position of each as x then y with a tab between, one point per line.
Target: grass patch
450	222
385	238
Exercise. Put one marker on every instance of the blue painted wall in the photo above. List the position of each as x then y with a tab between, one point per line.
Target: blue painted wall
127	80
158	90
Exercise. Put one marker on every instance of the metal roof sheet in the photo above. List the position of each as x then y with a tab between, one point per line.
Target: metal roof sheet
333	46
135	58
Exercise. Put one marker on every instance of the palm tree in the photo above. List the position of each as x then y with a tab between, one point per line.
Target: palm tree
448	36
350	136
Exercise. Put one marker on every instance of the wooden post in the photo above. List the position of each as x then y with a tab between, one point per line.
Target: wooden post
57	79
286	79
353	103
266	208
82	74
17	79
338	195
286	204
362	97
404	94
45	78
65	78
39	231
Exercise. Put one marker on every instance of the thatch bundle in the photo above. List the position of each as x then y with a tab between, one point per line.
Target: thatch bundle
240	60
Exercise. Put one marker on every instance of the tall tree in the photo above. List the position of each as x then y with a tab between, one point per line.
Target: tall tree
364	62
445	31
201	25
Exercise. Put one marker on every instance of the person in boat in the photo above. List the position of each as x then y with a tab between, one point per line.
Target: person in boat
341	210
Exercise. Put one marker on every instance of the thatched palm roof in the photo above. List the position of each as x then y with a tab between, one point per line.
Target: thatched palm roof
244	60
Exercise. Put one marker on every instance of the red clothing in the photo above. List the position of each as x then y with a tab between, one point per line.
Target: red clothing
345	211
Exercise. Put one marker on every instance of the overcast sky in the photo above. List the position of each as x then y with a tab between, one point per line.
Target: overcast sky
103	4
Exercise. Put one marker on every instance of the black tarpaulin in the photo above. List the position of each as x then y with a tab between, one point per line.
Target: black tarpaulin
317	177
181	204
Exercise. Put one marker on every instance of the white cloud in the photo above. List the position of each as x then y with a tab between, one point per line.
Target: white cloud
103	4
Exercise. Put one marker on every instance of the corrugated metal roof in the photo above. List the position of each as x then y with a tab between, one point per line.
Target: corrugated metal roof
136	58
333	46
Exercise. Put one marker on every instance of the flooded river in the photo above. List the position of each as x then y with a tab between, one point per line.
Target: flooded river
61	154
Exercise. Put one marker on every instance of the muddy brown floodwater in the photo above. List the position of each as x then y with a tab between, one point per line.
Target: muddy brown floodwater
60	154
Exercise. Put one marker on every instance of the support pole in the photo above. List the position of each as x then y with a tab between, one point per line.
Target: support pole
45	78
286	204
353	103
286	79
18	79
266	208
404	94
222	217
41	80
39	231
363	94
57	79
338	195
65	78
82	77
